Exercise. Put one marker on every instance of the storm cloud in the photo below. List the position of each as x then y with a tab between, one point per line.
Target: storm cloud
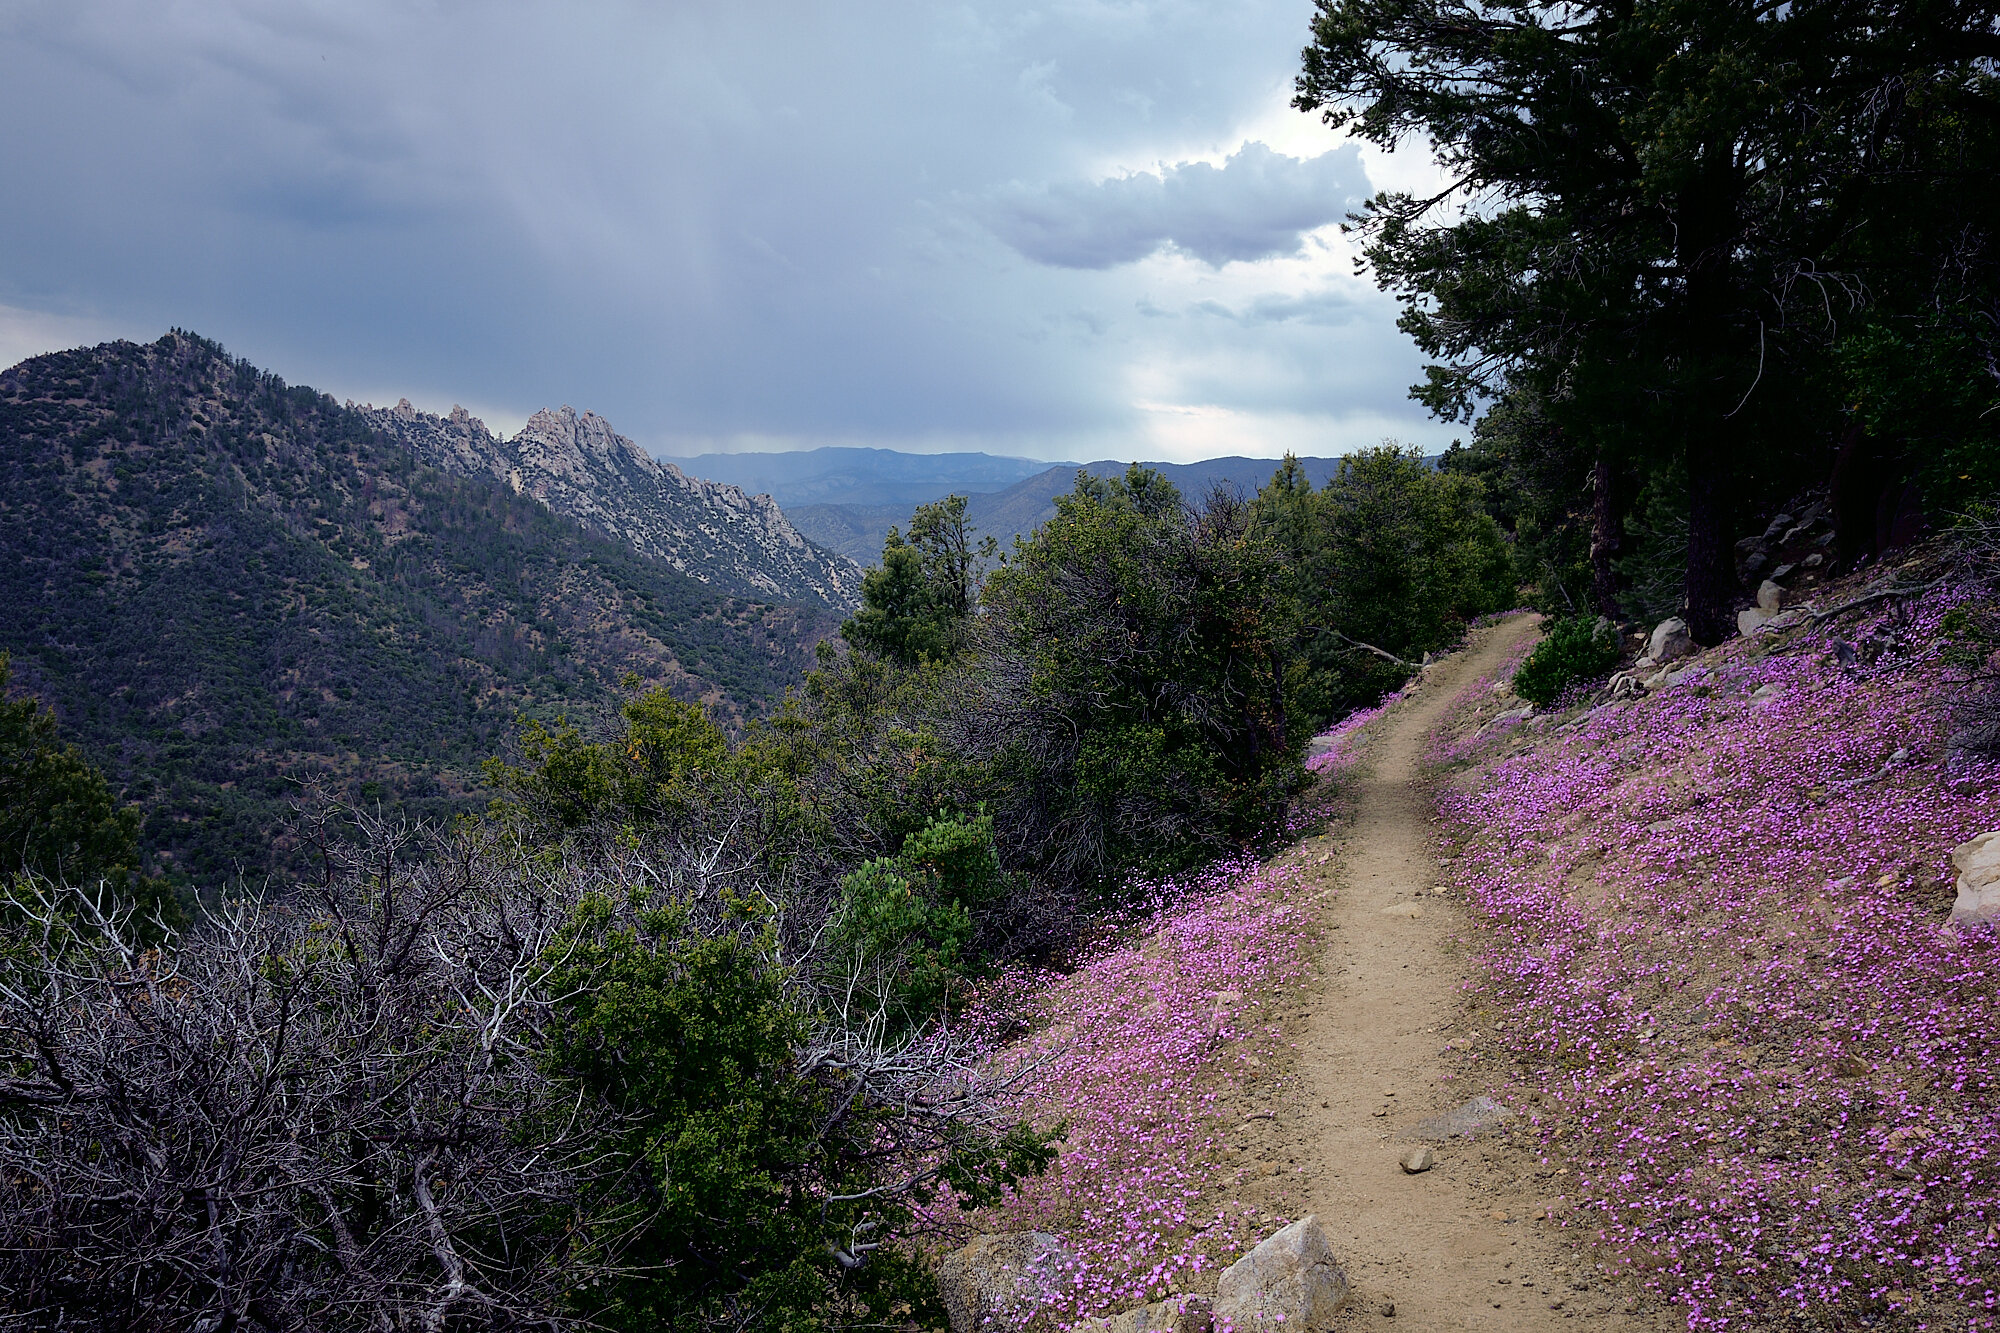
721	225
1258	204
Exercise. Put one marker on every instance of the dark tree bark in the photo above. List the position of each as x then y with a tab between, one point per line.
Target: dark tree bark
1716	384
1605	521
1711	574
1853	490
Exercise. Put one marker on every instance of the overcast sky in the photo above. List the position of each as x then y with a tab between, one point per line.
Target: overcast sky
1062	230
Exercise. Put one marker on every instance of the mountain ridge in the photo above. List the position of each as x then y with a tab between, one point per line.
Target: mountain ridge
849	474
230	589
578	466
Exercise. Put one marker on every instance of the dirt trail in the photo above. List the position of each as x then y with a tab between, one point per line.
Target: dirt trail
1433	1244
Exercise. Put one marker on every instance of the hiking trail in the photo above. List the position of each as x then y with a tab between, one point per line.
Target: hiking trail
1459	1246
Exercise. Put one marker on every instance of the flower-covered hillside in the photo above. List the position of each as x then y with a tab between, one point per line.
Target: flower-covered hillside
1165	1056
1714	924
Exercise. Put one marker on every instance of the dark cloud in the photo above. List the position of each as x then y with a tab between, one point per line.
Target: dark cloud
1258	204
719	223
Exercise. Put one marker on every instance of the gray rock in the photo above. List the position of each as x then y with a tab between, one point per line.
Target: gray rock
1465	1121
1751	619
1291	1283
1778	525
576	465
1001	1283
1176	1314
1770	596
1417	1161
1978	865
1670	640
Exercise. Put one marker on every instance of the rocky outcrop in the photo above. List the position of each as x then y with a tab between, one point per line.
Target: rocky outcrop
1795	549
1978	866
1003	1281
1291	1281
578	466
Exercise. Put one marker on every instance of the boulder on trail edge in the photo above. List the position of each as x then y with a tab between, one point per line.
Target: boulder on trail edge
1978	864
1671	639
1465	1120
1290	1282
1176	1314
1002	1282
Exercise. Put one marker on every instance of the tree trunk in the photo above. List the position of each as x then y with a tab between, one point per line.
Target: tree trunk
1711	566
1604	537
1719	385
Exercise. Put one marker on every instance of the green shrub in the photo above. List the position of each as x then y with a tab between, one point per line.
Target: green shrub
1575	650
909	917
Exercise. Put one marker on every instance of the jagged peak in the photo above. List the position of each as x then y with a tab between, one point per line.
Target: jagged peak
577	464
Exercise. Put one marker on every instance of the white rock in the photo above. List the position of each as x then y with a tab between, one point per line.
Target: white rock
1626	685
1751	619
1001	1283
1978	864
1670	640
1769	596
1290	1282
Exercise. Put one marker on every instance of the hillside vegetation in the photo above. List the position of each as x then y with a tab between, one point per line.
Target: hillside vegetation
1718	962
680	1035
228	586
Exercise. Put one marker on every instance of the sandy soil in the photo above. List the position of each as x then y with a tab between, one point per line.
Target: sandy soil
1386	1043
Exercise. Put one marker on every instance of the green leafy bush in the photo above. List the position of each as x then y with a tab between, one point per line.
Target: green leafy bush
1135	697
909	918
1575	650
1386	562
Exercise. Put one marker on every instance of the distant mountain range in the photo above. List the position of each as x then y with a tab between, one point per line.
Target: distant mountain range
228	586
850	476
847	499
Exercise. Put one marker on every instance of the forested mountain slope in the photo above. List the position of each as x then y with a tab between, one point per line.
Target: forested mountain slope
227	586
578	466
